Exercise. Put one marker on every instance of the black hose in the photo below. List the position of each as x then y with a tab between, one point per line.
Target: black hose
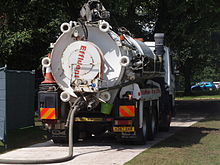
85	30
71	109
54	160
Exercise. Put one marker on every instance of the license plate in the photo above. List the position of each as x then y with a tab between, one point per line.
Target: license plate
85	119
123	129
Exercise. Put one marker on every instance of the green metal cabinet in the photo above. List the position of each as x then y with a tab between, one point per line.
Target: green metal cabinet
17	93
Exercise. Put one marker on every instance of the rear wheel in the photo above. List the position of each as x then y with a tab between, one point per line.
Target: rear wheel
60	140
165	123
142	132
165	112
165	107
151	124
64	139
59	136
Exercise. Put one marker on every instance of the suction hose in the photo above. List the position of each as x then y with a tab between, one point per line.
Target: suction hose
55	160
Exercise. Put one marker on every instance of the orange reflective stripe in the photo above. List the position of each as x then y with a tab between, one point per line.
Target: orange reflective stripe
52	115
43	111
47	113
127	111
123	113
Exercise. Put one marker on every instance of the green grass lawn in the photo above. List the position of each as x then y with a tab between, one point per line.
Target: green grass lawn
198	97
196	145
23	137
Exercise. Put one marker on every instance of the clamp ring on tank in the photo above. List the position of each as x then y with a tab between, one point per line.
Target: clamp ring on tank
106	96
46	61
104	26
124	61
66	27
65	97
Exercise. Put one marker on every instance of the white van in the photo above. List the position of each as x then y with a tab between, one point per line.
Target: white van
217	85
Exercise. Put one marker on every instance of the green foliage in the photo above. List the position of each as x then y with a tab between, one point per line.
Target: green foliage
27	28
138	16
13	41
192	28
207	74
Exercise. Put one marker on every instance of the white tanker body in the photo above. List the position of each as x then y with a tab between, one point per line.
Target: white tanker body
125	87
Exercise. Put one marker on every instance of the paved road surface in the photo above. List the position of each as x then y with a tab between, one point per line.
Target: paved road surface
106	151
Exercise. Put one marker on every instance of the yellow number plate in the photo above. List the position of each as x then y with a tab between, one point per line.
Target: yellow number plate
123	129
85	119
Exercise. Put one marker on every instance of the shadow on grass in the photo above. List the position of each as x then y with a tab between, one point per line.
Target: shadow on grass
186	137
24	137
198	106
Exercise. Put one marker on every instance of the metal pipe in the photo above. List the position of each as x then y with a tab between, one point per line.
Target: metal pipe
159	48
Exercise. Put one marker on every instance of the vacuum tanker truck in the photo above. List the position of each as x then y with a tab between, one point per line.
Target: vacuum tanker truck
120	85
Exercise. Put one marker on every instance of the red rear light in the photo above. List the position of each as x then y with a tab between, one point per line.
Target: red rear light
109	119
49	121
123	122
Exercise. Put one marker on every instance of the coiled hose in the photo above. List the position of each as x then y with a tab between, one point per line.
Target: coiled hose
54	160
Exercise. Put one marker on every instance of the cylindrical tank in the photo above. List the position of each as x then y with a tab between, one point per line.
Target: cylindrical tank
89	57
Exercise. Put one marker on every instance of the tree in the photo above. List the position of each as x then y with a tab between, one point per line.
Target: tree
191	27
138	16
26	30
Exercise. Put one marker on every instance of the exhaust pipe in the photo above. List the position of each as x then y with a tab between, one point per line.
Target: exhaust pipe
159	48
159	44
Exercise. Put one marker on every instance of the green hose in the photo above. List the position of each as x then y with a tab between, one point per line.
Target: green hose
55	160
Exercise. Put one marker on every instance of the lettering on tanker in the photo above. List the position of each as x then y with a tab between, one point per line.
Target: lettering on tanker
150	91
80	59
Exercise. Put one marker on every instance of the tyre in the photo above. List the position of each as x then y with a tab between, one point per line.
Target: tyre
172	106
165	107
151	124
142	133
64	139
60	140
168	114
165	122
165	119
165	112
